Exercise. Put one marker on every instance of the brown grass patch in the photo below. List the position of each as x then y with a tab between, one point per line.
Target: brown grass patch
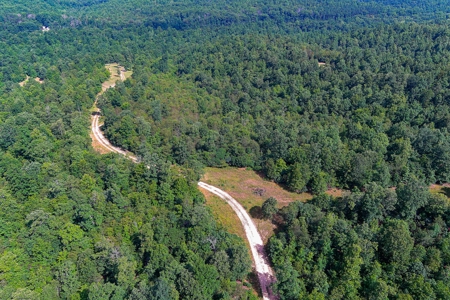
241	185
39	80
443	189
115	70
335	192
98	147
22	83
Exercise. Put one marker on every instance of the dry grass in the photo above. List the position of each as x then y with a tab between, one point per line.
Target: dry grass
241	184
37	79
127	74
115	70
97	146
22	83
443	189
224	214
335	192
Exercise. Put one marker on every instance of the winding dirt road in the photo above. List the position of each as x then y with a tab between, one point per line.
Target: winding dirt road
262	266
100	138
265	273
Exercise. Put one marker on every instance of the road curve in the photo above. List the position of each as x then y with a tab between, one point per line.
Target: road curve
98	135
265	273
262	266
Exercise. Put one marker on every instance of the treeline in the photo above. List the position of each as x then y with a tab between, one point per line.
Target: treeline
24	15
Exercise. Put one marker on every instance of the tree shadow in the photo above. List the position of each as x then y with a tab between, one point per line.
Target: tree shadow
256	212
265	279
262	175
284	186
253	279
446	191
269	281
278	220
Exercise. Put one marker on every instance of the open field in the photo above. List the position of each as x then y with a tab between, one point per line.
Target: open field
37	79
117	73
242	184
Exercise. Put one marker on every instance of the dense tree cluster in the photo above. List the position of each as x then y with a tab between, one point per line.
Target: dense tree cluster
377	244
375	112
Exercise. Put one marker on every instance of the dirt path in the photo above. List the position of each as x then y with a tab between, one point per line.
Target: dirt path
100	139
263	269
262	266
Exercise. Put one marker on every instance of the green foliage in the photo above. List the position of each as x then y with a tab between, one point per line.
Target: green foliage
360	247
269	208
80	225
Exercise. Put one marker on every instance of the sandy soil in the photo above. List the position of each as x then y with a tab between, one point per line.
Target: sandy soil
37	79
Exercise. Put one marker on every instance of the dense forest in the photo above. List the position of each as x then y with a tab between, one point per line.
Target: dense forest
311	93
376	244
375	110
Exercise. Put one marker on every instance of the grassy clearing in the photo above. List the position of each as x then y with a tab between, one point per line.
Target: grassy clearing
127	74
440	189
241	185
115	71
37	79
224	214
